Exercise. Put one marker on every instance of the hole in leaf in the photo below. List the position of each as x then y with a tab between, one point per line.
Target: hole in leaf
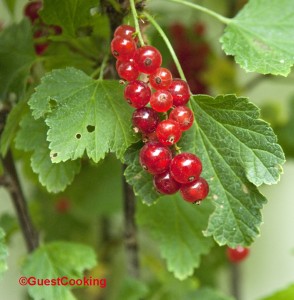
78	136
54	154
52	103
90	128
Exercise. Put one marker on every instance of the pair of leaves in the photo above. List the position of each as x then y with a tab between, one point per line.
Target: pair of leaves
56	260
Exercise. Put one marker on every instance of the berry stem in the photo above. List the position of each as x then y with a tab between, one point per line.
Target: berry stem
137	26
103	66
205	10
168	44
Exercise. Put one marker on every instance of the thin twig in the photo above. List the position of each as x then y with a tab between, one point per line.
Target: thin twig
131	244
11	181
235	281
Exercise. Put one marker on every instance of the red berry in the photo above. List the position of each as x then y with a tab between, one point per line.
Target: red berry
31	10
161	79
161	100
180	92
150	137
148	59
145	120
237	254
125	31
195	191
41	48
137	93
168	132
155	158
165	184
183	115
62	205
127	70
185	167
123	48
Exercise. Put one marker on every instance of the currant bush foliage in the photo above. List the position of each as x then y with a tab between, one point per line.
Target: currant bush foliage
86	115
56	260
258	37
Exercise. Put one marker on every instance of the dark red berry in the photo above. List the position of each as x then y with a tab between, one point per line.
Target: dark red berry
31	10
148	59
161	79
137	93
123	48
145	120
180	92
185	167
127	70
125	31
195	191
41	48
237	254
165	184
150	137
161	100
62	205
155	158
168	132
183	115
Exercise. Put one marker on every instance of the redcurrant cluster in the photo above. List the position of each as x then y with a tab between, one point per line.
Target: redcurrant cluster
41	30
164	95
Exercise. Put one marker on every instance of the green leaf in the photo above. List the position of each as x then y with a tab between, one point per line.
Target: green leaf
260	37
207	293
132	289
178	226
32	138
56	260
3	253
238	151
10	4
16	57
9	224
285	294
87	115
11	126
70	14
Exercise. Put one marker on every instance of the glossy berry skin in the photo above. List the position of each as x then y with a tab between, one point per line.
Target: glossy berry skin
155	158
123	48
195	191
31	10
180	92
183	115
185	167
150	137
125	31
148	59
165	184
161	79
137	93
236	255
161	100
168	132
145	120
127	70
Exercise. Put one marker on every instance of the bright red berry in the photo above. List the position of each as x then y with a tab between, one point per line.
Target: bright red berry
148	59
161	100
155	158
125	31
168	132
185	167
127	70
237	254
145	120
31	10
123	48
183	115
137	93
161	79
180	92
165	184
195	191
